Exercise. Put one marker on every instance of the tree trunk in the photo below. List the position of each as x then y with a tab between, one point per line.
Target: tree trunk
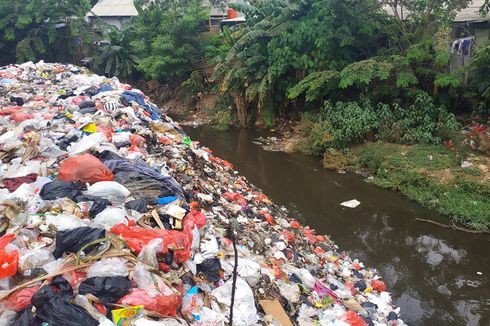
241	106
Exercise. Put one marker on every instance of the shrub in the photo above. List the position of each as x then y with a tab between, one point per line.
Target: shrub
350	123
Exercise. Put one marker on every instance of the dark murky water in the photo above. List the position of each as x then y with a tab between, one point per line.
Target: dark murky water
431	271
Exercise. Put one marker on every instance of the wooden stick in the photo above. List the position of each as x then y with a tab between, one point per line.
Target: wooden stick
454	227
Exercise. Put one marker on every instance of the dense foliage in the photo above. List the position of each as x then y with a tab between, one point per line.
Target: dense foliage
359	71
53	30
166	37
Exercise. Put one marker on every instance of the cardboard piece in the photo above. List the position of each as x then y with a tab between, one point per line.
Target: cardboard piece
274	308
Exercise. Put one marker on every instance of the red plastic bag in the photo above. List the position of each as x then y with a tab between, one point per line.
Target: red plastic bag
309	235
198	217
19	116
354	319
136	140
235	197
378	285
13	183
9	110
165	305
19	300
289	236
8	260
136	238
84	168
107	131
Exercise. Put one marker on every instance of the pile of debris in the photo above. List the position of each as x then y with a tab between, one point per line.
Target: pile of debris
111	215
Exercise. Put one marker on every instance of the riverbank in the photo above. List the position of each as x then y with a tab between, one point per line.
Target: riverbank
452	181
445	180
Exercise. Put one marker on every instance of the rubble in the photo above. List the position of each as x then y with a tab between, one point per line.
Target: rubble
110	214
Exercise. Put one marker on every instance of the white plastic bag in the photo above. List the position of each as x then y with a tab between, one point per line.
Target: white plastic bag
86	143
115	192
142	278
209	317
108	267
248	269
110	217
290	292
34	258
64	222
244	311
148	254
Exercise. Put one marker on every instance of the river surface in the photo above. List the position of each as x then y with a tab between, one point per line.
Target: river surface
437	276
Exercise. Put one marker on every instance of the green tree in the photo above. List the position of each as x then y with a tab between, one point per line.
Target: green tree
118	57
166	37
42	29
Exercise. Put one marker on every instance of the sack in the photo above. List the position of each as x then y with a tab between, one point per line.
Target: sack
84	168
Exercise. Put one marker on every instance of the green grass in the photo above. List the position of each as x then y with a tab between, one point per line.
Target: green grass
432	176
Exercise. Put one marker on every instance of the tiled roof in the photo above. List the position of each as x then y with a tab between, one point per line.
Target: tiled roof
105	8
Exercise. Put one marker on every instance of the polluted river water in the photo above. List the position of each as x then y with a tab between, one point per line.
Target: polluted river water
437	276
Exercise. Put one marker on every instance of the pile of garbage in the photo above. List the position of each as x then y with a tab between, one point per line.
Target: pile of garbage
111	215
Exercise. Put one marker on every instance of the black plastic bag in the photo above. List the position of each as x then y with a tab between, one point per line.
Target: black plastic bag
87	110
107	289
63	143
98	204
73	240
86	104
60	189
138	205
53	306
210	268
25	318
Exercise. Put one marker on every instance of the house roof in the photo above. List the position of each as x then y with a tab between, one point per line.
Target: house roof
469	14
120	8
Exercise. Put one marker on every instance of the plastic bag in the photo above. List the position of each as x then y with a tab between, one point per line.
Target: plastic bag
109	217
148	254
83	302
165	305
98	204
378	285
209	317
192	303
136	238
34	258
144	280
244	310
84	168
19	300
8	260
64	222
108	267
110	190
138	205
210	268
247	269
353	319
107	289
73	240
86	143
290	292
13	183
53	306
59	189
7	317
19	116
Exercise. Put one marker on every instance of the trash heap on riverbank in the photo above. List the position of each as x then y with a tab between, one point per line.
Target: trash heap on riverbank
111	215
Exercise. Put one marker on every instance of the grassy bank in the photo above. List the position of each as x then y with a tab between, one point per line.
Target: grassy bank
429	174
